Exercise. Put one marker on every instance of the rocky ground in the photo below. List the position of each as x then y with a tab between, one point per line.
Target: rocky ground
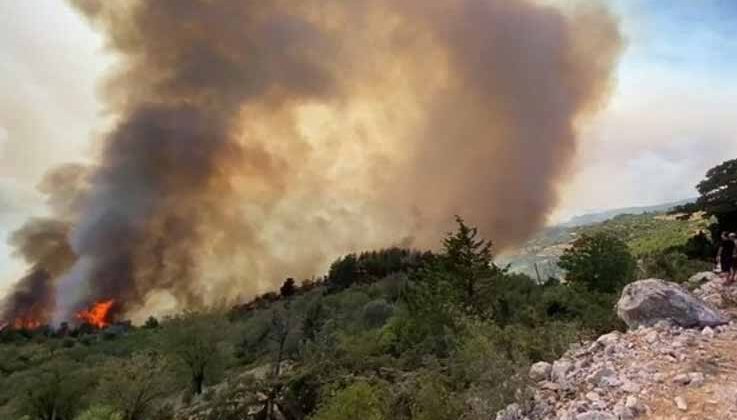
657	370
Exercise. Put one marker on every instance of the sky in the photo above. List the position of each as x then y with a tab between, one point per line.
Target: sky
672	114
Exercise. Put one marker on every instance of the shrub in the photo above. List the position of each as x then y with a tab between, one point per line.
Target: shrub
435	400
302	394
53	391
495	374
359	400
136	385
356	351
592	311
672	265
100	412
376	313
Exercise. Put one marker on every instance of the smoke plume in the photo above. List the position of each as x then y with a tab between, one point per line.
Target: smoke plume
42	243
259	139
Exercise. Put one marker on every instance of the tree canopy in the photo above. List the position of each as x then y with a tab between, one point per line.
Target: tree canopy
718	196
600	262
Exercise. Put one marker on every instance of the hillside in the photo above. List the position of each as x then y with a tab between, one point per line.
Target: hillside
603	216
390	334
645	234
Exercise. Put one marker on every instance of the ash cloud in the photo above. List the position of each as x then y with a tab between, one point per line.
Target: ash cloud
257	140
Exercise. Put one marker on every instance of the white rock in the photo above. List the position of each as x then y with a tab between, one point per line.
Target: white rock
512	412
631	387
596	415
592	396
601	376
681	403
707	332
696	378
609	339
681	379
634	404
550	386
540	371
610	381
560	369
703	277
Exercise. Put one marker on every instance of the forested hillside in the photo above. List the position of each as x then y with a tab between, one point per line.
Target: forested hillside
387	334
650	236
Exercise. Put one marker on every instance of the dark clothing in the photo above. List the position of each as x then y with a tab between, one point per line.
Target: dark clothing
727	256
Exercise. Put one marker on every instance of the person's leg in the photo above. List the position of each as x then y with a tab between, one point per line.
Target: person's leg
729	270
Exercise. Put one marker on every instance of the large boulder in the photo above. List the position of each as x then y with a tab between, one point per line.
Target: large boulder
645	302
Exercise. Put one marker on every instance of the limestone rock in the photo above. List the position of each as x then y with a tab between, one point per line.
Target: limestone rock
560	369
681	403
703	277
540	371
645	302
512	412
707	332
596	415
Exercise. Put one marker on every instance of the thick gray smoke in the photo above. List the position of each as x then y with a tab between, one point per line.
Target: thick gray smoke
258	139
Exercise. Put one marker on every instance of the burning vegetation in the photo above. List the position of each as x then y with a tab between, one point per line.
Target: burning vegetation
99	314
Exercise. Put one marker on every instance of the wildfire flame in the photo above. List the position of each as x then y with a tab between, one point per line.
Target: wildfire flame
25	324
98	315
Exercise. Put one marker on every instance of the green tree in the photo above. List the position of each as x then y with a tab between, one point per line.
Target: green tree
455	284
718	197
468	259
282	326
151	323
343	272
195	339
314	318
600	262
370	266
133	386
53	392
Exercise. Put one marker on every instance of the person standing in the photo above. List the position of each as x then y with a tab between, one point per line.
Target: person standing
726	255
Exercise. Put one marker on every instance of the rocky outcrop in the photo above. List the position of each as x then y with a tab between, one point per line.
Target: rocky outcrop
664	370
646	302
659	369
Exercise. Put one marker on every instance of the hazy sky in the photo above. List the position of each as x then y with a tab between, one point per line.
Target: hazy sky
672	116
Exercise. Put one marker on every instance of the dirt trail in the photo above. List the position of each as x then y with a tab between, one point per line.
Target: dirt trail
715	399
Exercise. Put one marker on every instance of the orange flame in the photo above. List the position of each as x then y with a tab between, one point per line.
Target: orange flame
26	324
21	323
98	315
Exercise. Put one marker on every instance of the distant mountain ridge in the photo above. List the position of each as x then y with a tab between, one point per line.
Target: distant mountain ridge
598	217
644	229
